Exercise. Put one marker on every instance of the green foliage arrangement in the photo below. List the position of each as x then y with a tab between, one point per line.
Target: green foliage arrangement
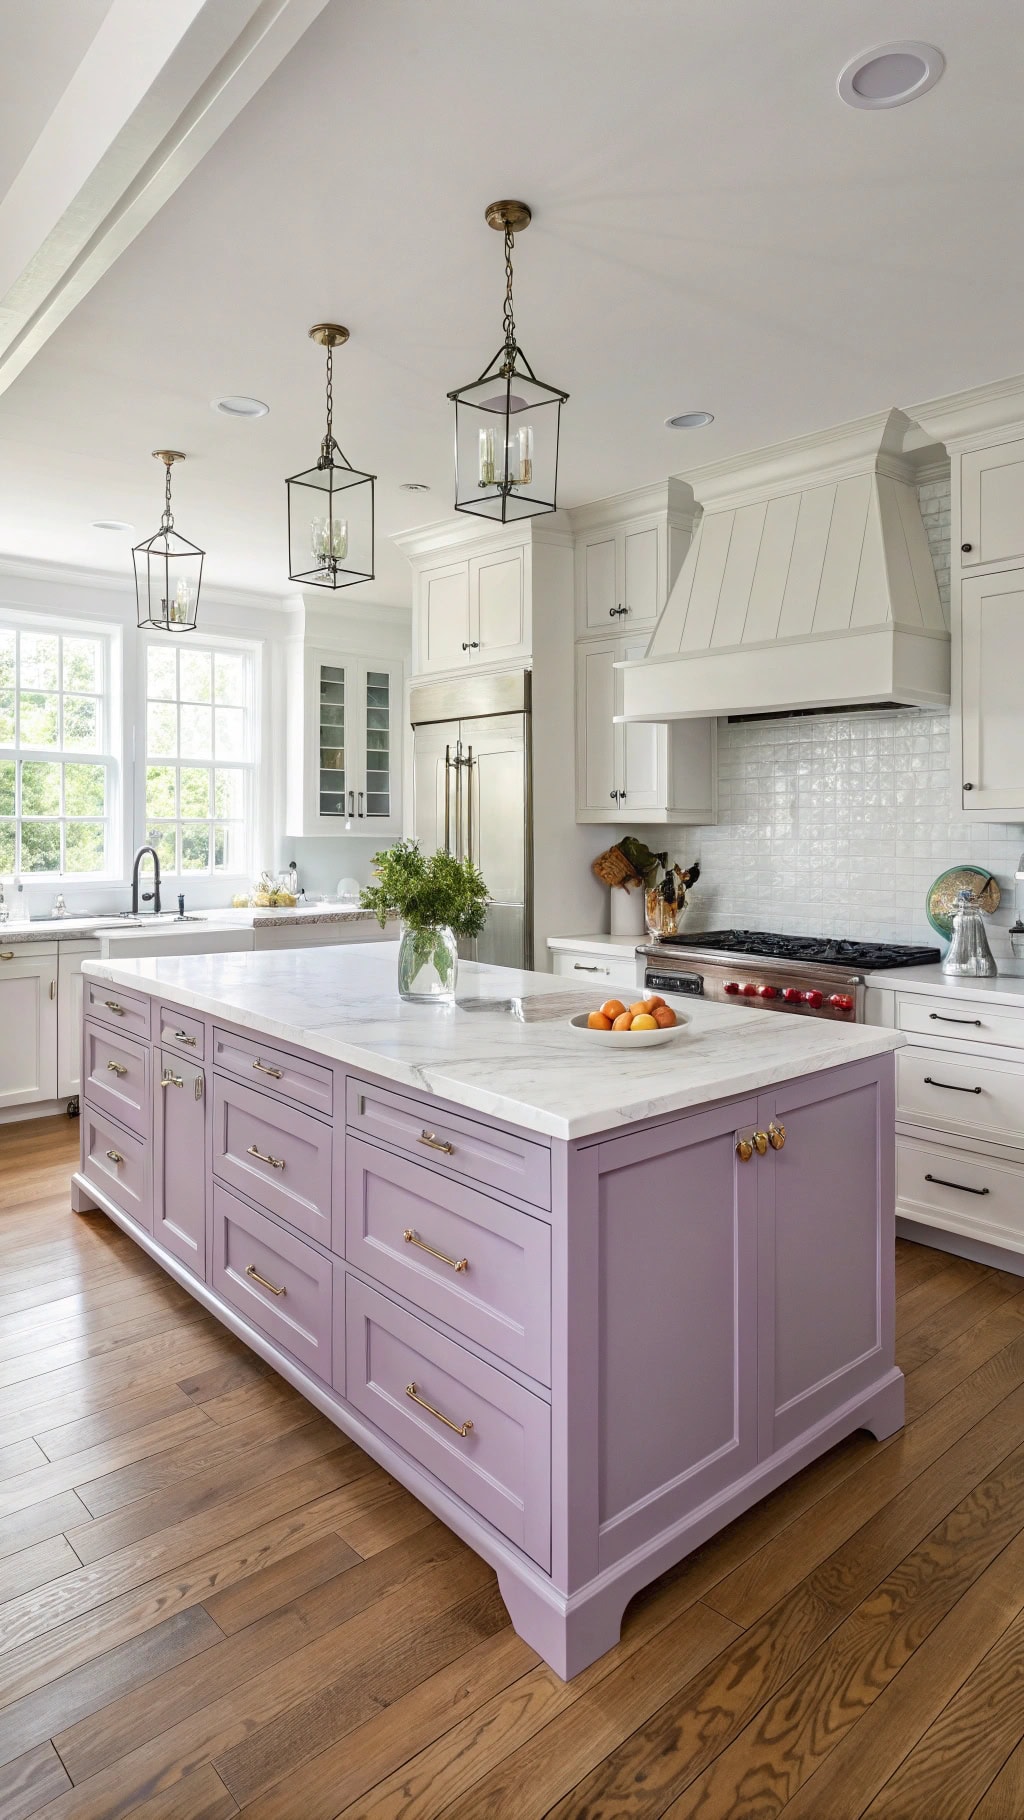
441	892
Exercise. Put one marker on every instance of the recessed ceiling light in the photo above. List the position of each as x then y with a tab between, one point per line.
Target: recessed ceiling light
890	74
413	486
111	524
239	407
689	420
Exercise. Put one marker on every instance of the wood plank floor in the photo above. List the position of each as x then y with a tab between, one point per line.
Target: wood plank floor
211	1603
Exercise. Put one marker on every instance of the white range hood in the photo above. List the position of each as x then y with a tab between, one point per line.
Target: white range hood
809	584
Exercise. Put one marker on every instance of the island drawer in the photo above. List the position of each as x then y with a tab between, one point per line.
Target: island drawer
292	1076
960	1191
115	1076
124	1011
962	1019
497	1159
278	1156
977	1095
482	1435
186	1033
274	1279
481	1266
118	1162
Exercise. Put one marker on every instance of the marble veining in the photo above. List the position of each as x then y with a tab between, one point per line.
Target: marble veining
540	1075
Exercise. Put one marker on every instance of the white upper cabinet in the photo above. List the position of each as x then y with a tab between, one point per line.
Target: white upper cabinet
991	665
992	505
642	773
443	618
346	716
472	612
621	578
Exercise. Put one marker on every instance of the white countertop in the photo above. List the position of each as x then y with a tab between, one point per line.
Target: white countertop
625	945
84	928
280	916
1004	988
343	1002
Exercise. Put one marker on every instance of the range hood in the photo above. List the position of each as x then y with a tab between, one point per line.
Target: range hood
808	585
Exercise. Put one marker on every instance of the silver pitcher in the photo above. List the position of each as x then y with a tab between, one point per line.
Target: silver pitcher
969	953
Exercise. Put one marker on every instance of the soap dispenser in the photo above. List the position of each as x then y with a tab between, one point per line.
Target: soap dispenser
969	954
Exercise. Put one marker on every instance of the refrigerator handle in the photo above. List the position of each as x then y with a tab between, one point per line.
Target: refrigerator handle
458	800
469	804
447	799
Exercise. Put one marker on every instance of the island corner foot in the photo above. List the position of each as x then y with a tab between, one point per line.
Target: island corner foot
81	1199
568	1636
884	1414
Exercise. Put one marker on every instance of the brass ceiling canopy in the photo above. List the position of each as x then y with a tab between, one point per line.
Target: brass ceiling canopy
328	334
167	456
515	216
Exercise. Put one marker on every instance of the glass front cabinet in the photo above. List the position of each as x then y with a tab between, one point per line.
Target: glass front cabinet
350	747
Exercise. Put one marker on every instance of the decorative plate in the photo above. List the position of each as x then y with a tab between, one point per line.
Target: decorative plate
630	1039
940	902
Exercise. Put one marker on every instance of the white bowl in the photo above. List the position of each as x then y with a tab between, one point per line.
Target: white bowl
631	1039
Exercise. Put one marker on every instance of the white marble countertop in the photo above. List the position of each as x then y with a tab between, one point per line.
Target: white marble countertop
543	1076
84	928
1004	988
626	945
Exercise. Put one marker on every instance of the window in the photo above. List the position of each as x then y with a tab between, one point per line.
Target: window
199	770
58	776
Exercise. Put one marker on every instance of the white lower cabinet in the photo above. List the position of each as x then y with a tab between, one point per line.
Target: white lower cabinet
645	772
69	1015
585	966
28	1019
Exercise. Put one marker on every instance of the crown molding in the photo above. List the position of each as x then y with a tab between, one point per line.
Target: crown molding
672	497
963	419
115	581
468	536
867	444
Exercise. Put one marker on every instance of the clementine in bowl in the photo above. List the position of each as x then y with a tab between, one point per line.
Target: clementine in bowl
624	1021
598	1020
612	1007
654	1002
643	1021
664	1017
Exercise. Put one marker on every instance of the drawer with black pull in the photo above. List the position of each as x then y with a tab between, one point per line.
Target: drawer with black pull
975	1096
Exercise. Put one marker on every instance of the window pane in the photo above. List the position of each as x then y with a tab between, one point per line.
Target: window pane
7	659
40	789
229	680
195	846
83	847
81	657
84	790
196	732
229	847
230	733
161	730
40	846
7	789
161	790
229	795
6	846
38	719
195	792
195	672
81	723
163	839
160	673
39	660
6	717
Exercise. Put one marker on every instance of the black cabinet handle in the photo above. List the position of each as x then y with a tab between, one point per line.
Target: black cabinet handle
937	1017
968	786
950	1086
966	548
941	1182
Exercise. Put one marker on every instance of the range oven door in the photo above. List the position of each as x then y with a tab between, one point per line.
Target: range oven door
689	984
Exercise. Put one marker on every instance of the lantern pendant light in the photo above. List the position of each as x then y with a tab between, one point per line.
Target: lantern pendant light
507	421
168	569
330	506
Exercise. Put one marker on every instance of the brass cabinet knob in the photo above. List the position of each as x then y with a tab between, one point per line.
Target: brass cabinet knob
776	1135
744	1149
761	1142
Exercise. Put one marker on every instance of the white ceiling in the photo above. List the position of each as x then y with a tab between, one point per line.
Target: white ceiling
42	43
712	228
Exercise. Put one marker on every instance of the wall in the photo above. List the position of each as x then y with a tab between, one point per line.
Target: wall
837	824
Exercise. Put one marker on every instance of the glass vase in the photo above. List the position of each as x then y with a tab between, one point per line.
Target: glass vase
428	966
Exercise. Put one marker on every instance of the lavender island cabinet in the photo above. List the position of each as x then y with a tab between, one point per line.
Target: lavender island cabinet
587	1304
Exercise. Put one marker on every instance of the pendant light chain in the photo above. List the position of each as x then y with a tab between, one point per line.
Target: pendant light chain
328	443
508	318
167	521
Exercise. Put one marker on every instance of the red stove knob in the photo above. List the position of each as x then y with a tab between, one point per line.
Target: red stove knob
792	995
731	986
841	1001
814	998
750	990
767	992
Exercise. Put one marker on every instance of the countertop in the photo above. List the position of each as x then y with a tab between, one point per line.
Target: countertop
84	928
543	1076
1004	988
605	945
283	915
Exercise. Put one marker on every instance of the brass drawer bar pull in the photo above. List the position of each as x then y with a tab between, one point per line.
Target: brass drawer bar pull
276	1162
115	1156
950	1086
435	1143
459	1428
776	1135
251	1271
112	1005
275	1073
7	955
180	1037
116	1068
941	1182
455	1263
169	1079
938	1018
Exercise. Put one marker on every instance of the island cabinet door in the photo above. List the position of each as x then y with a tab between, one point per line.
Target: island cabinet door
179	1159
826	1233
677	1305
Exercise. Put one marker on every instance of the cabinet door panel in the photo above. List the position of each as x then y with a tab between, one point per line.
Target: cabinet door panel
642	590
332	706
644	751
992	504
444	618
179	1159
992	652
598	740
70	995
497	606
28	1016
600	584
381	692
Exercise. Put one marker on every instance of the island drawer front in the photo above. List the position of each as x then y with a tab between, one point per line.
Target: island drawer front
977	1095
961	1191
399	1217
118	1162
502	1466
496	1159
961	1019
127	1012
275	1069
115	1076
278	1156
185	1033
292	1305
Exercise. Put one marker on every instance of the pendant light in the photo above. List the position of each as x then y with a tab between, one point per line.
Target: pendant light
330	506
168	569
507	421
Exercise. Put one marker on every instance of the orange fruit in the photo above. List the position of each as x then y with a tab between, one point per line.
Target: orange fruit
598	1021
643	1021
664	1017
654	1002
613	1007
624	1021
641	1005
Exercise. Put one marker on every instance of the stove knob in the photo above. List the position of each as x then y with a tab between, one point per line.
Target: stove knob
841	1001
767	991
732	987
814	998
792	995
750	990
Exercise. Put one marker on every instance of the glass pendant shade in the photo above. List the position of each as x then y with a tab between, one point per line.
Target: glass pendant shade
330	506
168	570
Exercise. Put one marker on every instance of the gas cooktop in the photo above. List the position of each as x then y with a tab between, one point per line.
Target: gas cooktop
812	949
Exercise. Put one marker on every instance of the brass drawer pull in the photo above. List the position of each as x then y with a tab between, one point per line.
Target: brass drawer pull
456	1263
950	1086
251	1271
116	1068
115	1156
459	1428
112	1005
7	955
170	1079
436	1143
276	1162
180	1037
275	1073
941	1182
776	1135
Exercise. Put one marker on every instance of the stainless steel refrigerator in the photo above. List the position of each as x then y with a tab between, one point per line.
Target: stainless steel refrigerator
472	796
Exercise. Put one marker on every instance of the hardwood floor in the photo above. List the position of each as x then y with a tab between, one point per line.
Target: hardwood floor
212	1603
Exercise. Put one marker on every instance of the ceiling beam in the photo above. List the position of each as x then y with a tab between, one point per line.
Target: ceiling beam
154	91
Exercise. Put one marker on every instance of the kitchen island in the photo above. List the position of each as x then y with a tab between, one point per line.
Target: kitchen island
587	1304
